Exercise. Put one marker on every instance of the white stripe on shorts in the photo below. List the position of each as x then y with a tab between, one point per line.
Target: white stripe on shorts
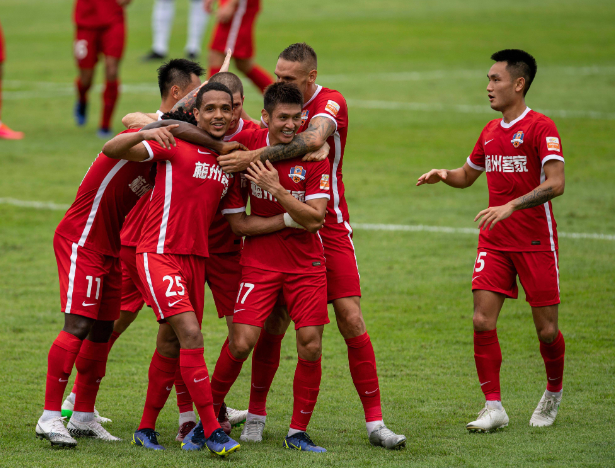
151	286
71	278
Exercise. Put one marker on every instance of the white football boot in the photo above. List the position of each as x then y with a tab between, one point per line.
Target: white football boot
546	411
54	431
382	436
236	417
252	431
68	407
90	429
489	419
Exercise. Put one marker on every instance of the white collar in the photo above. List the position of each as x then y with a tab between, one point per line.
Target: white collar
160	114
239	129
510	124
318	88
268	139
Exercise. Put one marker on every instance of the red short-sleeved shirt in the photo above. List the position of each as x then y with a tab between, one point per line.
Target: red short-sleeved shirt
189	187
97	13
108	192
289	250
131	231
513	156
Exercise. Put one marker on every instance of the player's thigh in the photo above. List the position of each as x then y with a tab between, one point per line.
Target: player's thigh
223	278
111	296
216	58
257	294
241	36
539	276
113	40
495	271
86	47
343	279
306	299
487	307
278	321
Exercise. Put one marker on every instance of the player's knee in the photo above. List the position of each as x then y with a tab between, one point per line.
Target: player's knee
240	347
191	339
548	334
77	325
481	321
101	331
310	351
350	322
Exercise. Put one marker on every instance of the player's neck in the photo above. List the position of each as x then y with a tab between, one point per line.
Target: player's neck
310	92
514	111
232	129
166	106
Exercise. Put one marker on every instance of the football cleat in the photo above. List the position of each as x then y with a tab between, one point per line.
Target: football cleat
382	436
68	408
489	419
152	55
90	429
184	430
223	420
220	444
236	417
147	438
54	431
7	134
81	109
195	439
546	411
252	431
301	441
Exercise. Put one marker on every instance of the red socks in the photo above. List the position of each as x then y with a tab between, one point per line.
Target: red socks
213	71
184	400
82	91
161	375
91	365
362	361
60	362
226	372
488	358
265	363
260	78
196	377
306	386
109	100
553	355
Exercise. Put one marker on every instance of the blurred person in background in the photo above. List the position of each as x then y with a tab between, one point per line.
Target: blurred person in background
5	132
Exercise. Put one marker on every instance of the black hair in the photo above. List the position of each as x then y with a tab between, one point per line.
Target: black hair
177	72
230	80
179	115
282	93
300	52
519	64
211	87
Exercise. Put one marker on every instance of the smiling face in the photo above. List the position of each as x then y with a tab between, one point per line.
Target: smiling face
284	121
215	114
298	74
503	90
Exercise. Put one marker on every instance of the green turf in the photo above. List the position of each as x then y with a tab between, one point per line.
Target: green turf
417	301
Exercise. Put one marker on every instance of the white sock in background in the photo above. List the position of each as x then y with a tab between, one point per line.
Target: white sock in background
186	416
162	22
197	22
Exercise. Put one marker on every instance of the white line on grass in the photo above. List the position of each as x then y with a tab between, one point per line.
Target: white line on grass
369	227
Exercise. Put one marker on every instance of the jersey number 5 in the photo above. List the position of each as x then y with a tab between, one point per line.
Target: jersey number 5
480	263
179	285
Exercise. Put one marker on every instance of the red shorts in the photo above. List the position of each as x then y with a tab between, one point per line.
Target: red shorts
343	279
237	34
133	292
259	290
91	42
90	282
175	283
223	277
496	271
2	55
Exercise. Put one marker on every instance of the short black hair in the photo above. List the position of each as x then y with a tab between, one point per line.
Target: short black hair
177	72
282	93
300	52
179	115
211	87
230	80
519	63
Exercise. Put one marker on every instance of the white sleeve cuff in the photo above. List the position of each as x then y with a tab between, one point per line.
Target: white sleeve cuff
474	166
149	151
317	195
234	210
263	122
327	116
553	156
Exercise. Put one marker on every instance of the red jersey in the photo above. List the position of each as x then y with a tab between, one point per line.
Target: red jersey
289	250
97	13
109	190
188	189
513	155
131	231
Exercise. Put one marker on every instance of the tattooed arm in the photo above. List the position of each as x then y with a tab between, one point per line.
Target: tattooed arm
552	187
313	138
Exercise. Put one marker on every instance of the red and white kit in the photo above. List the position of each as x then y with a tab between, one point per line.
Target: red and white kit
290	261
173	248
87	240
100	30
525	244
2	54
238	33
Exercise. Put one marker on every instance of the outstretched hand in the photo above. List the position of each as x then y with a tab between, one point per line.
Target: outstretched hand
162	135
432	177
493	215
266	177
236	161
227	61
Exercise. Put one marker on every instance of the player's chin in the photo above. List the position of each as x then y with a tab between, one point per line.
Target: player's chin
286	138
218	130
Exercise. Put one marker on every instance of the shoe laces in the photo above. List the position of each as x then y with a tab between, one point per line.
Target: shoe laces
57	425
546	407
198	436
185	428
219	436
303	436
252	428
385	432
151	435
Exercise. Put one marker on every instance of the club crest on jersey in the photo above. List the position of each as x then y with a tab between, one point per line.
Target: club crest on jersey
517	139
304	116
297	174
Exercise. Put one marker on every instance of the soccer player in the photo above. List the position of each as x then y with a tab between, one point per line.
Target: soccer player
522	156
235	30
100	29
325	119
172	254
288	262
5	132
162	23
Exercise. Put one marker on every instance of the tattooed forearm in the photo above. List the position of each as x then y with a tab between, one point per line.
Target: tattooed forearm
536	197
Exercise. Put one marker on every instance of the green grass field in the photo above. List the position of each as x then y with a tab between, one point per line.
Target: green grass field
414	76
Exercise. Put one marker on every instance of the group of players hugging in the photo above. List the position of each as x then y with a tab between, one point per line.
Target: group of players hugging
162	211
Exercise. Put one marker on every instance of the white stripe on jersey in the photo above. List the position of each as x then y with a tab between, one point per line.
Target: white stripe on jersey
168	188
336	162
97	198
318	89
149	282
71	279
235	25
239	129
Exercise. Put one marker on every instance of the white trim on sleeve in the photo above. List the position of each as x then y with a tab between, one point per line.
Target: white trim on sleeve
233	210
553	156
159	113
474	166
317	195
149	151
327	116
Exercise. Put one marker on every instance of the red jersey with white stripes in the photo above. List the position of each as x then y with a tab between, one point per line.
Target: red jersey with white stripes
289	250
188	189
513	155
109	190
131	231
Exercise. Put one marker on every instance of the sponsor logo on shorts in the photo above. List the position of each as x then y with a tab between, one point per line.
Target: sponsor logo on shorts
475	277
238	310
324	182
297	174
535	242
171	304
553	144
517	139
332	108
316	263
88	305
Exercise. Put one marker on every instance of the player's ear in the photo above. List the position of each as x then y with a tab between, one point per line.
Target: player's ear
520	84
176	92
265	116
312	76
195	112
